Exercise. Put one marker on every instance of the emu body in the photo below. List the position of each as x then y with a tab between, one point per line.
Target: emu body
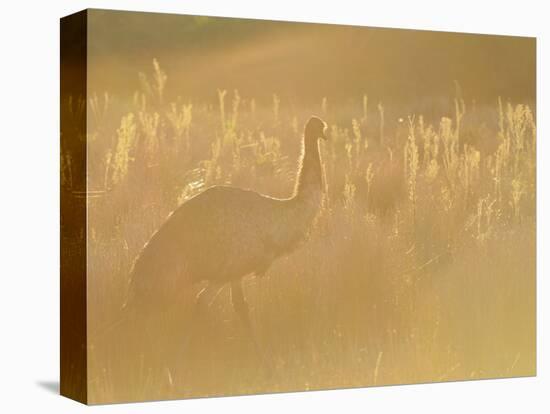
226	233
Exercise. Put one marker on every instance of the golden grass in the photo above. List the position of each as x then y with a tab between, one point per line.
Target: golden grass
420	267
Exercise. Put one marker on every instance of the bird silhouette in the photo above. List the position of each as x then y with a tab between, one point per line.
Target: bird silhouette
224	234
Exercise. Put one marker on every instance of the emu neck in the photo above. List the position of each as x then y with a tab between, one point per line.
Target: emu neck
310	181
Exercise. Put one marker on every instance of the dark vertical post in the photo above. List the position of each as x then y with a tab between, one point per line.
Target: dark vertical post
73	235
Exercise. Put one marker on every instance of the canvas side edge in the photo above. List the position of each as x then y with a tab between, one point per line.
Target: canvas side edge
73	212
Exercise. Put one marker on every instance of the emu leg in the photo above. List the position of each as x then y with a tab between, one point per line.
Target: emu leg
241	308
207	295
240	305
203	300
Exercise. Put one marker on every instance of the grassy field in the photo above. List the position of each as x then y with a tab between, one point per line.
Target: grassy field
420	266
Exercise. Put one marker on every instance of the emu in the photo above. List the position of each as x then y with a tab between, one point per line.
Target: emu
224	234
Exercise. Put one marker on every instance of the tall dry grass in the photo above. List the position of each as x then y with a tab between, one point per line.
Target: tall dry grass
420	267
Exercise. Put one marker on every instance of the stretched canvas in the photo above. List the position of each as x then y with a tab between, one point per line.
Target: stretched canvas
257	206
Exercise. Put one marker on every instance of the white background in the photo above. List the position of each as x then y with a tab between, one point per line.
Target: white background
29	235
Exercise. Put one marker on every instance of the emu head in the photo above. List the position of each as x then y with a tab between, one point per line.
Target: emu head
315	128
